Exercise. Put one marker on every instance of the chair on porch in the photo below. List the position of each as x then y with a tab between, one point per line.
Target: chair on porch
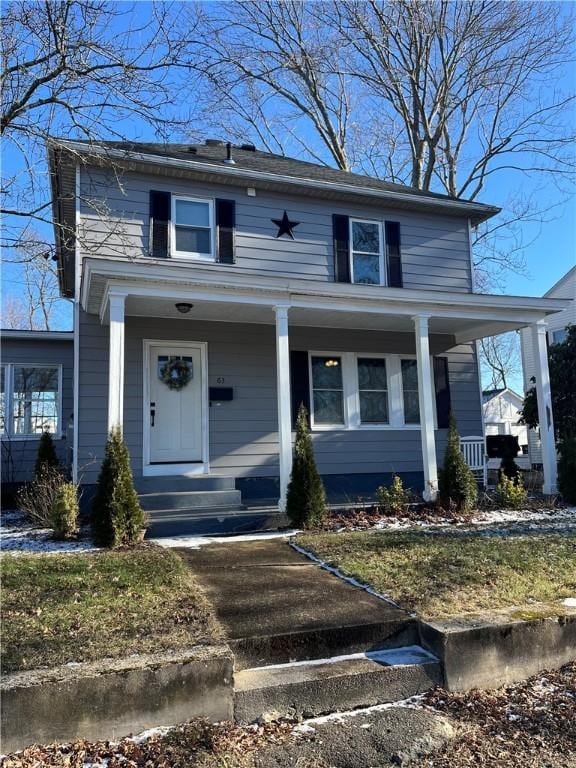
474	450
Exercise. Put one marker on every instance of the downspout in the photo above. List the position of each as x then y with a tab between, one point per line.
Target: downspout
76	373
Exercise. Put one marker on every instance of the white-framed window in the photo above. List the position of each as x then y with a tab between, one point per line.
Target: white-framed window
367	253
327	384
355	390
558	336
410	400
31	400
192	227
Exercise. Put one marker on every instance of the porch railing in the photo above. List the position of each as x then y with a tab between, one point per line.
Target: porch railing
474	450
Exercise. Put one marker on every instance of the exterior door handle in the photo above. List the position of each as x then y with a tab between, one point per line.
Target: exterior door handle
152	413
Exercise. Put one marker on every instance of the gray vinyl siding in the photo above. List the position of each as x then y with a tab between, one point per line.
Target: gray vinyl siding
243	433
19	456
115	223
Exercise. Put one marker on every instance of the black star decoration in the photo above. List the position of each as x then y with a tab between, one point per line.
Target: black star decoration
285	226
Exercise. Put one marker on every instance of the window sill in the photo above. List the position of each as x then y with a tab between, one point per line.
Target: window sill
191	257
365	428
24	438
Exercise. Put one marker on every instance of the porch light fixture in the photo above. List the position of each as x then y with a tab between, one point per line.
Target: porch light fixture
331	363
183	307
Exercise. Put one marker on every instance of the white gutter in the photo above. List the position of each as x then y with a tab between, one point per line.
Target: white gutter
11	333
242	173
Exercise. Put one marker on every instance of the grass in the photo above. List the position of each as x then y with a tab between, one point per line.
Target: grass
444	576
62	608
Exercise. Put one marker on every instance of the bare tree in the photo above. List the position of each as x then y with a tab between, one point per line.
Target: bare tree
441	95
270	71
80	69
37	304
500	359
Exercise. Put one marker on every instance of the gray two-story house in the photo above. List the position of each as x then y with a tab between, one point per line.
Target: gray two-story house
216	288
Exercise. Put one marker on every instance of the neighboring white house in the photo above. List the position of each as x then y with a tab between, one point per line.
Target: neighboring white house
501	417
565	288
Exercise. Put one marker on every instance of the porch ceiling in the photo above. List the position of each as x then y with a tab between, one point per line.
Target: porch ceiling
219	311
232	295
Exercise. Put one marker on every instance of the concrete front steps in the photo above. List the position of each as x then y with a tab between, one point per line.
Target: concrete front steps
203	505
320	686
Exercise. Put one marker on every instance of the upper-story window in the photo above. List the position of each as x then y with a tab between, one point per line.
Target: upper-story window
367	252
193	227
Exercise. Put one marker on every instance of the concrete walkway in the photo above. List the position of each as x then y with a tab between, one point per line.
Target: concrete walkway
285	606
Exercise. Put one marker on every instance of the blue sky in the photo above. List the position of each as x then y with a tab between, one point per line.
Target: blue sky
550	246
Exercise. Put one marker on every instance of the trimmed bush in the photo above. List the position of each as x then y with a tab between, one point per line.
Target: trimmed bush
36	499
306	499
510	493
395	499
46	456
457	485
65	511
567	470
117	517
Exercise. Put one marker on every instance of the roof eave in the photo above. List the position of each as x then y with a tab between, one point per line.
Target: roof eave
476	212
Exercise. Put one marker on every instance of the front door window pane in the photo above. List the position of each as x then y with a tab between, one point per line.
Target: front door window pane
35	400
410	392
373	390
327	390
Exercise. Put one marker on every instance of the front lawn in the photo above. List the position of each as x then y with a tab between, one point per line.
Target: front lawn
445	575
82	607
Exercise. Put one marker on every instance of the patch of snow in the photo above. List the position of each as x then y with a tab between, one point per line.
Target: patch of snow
414	702
195	542
39	540
160	730
337	572
569	602
407	656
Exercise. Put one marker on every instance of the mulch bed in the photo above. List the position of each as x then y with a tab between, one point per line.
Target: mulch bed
527	725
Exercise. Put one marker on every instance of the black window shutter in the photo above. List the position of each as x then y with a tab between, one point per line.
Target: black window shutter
225	225
160	204
393	252
341	232
442	389
299	382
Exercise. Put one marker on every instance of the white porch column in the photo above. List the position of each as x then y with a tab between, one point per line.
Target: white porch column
284	405
545	418
116	303
426	402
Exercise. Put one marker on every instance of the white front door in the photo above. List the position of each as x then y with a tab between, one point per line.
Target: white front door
176	418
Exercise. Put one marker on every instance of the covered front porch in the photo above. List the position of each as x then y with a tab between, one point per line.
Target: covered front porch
244	337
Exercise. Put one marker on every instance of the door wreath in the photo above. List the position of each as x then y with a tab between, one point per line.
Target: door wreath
176	374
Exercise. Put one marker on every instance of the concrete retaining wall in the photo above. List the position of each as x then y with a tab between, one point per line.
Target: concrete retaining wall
499	651
108	700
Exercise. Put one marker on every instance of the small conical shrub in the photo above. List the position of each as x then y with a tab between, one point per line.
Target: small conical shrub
46	456
117	517
65	511
306	499
457	484
510	492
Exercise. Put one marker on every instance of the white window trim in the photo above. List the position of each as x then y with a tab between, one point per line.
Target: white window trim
192	254
351	393
381	252
8	433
